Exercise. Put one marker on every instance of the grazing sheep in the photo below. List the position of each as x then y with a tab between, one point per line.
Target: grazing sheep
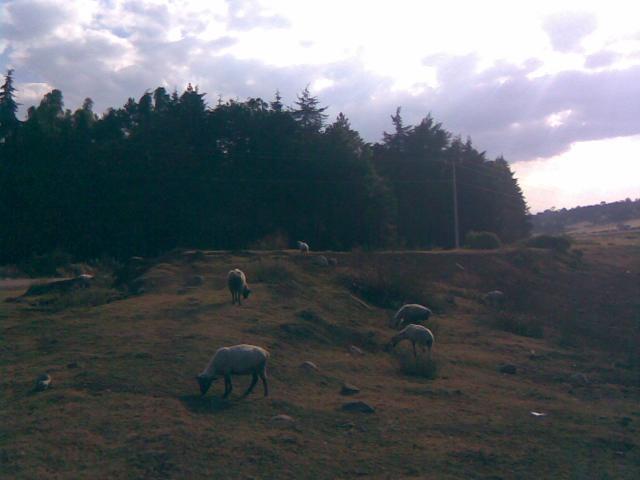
415	334
410	313
237	283
303	247
494	298
236	360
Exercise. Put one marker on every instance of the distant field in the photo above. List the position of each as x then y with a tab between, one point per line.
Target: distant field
124	402
586	228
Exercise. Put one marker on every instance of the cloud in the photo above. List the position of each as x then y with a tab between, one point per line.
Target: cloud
112	52
566	30
600	59
248	15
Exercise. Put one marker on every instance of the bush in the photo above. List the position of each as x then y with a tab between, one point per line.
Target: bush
385	289
420	367
271	272
46	265
518	325
558	243
277	240
482	240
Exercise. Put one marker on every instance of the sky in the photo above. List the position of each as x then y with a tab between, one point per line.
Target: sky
553	86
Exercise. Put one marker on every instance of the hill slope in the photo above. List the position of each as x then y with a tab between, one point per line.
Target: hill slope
124	402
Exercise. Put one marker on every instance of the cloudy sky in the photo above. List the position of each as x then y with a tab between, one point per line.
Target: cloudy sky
554	86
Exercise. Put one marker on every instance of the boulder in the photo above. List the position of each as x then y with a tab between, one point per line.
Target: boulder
579	379
358	406
309	366
509	368
321	260
355	350
43	382
282	420
66	285
349	389
195	281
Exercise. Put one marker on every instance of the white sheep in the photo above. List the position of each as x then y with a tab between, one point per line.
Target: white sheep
236	360
415	334
410	313
495	298
237	282
303	247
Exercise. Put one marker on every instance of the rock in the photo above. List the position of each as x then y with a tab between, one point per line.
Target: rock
308	366
625	421
355	350
349	389
358	406
195	281
333	262
81	281
509	368
43	382
321	260
579	379
282	420
348	425
193	255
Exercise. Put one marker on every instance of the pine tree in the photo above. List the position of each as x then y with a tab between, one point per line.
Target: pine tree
8	107
308	115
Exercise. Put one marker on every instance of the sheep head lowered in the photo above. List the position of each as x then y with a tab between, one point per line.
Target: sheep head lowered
204	382
246	292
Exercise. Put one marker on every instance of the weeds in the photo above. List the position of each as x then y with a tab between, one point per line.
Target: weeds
389	288
525	326
421	366
272	271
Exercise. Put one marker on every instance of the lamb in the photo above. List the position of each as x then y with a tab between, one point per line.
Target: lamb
410	313
495	298
415	334
237	282
303	247
235	360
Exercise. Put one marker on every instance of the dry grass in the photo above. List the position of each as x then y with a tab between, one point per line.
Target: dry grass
124	403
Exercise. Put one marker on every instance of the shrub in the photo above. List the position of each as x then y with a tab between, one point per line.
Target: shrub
482	240
45	265
558	243
277	240
525	326
385	289
420	367
269	271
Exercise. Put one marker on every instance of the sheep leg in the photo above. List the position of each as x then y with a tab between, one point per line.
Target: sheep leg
254	380
228	386
263	376
415	355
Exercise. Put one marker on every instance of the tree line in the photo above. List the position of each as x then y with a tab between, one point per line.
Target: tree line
167	170
554	221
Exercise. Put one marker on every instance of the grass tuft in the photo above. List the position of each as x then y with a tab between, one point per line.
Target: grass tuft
421	367
525	326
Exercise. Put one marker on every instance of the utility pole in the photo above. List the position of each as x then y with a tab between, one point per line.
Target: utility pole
456	233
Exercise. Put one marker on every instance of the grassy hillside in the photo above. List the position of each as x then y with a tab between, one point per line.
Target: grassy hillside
124	402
